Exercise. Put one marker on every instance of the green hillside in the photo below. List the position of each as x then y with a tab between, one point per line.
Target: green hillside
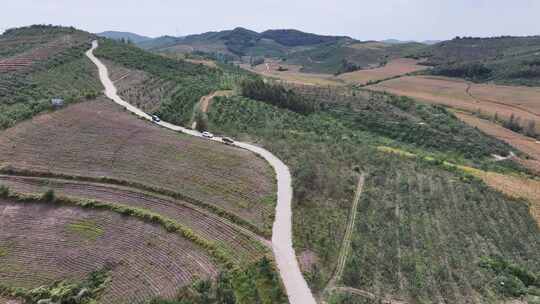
39	63
189	81
334	57
508	60
425	231
314	53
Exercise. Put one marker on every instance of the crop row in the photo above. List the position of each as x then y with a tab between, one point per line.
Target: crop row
97	139
144	259
415	242
228	236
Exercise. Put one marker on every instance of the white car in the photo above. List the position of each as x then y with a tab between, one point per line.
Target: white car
207	134
155	118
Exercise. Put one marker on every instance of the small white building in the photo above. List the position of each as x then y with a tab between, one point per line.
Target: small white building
57	102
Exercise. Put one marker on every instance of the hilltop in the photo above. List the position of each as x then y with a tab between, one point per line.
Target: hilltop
394	199
115	35
313	53
506	59
41	62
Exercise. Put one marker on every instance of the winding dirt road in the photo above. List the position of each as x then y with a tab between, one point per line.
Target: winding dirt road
295	284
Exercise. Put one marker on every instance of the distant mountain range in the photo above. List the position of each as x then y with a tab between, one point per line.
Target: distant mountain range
315	53
396	41
135	38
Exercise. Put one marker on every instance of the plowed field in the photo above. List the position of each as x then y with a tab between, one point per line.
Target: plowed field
68	243
98	139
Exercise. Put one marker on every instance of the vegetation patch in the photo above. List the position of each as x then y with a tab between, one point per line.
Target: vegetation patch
63	72
87	229
63	292
416	217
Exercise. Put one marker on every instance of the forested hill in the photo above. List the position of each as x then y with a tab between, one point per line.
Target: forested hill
241	41
511	60
41	62
126	36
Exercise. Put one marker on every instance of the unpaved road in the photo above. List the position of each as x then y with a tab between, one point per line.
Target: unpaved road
295	284
204	103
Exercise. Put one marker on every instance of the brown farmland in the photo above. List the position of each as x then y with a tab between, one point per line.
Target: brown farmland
44	243
396	67
98	138
240	243
523	143
293	74
485	99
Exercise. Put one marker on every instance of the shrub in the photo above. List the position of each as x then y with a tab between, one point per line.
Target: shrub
4	191
49	196
277	95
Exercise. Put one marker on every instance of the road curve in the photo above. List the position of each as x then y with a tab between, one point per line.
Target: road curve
295	284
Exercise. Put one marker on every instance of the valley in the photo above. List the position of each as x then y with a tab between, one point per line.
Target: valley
279	166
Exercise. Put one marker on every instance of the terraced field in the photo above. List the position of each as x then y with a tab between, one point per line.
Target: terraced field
68	243
97	139
242	244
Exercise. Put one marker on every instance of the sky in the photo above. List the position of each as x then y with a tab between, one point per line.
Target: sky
360	19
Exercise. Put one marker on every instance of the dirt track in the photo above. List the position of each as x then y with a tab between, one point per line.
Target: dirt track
295	284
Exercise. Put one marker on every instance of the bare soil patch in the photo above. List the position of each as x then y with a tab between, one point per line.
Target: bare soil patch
486	99
394	68
99	138
146	261
523	143
292	74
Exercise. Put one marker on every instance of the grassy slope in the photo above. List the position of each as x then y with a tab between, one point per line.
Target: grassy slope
322	152
66	73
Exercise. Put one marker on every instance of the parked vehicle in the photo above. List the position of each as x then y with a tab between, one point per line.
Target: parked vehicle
207	134
227	141
155	118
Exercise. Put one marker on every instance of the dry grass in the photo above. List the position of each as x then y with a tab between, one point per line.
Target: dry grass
98	139
394	68
293	75
207	63
516	186
523	143
374	45
146	261
486	99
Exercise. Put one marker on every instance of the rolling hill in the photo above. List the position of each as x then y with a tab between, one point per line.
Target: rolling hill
38	63
507	60
311	52
115	35
394	200
119	235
